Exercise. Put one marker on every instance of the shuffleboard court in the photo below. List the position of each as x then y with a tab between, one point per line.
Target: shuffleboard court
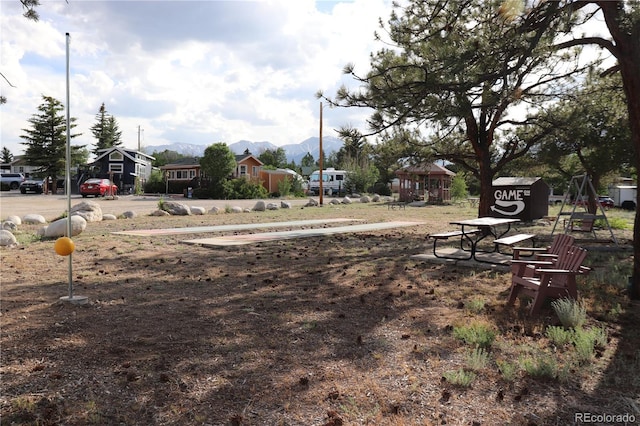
237	240
223	228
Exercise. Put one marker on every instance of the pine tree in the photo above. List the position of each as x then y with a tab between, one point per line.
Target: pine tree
6	156
106	131
46	140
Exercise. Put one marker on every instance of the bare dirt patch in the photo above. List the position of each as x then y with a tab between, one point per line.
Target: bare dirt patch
344	329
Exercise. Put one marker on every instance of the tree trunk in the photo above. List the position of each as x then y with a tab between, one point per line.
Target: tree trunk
627	41
486	180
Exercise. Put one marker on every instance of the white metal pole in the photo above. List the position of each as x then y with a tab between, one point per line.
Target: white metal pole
67	183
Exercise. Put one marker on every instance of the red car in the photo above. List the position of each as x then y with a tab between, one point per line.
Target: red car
98	187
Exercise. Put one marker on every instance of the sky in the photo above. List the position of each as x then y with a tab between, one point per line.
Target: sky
196	72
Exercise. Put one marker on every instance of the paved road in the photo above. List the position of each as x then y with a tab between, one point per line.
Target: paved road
51	206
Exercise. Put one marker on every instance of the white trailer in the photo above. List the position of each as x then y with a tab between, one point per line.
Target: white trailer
332	181
624	196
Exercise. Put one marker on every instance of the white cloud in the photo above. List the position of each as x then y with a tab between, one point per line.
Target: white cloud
187	71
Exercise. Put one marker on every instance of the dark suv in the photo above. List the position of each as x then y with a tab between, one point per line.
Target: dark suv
12	179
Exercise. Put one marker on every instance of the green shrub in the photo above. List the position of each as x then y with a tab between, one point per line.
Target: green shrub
460	377
586	340
477	359
243	189
508	370
475	333
475	305
541	366
571	313
559	336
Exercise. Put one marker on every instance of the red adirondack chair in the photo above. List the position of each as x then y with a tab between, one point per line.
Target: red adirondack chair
559	244
551	279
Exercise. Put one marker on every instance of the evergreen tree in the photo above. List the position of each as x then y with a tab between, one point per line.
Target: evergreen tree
46	140
106	131
6	156
307	160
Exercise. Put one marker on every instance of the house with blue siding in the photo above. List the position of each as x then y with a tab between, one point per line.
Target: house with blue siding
123	166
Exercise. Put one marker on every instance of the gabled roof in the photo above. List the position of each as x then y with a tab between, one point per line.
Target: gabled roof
243	157
125	152
183	163
426	169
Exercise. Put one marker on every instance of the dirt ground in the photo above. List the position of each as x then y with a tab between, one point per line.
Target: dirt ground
337	330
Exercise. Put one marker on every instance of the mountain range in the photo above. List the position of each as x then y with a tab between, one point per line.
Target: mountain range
294	152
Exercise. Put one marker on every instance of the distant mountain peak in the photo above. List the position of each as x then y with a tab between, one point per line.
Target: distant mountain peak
294	152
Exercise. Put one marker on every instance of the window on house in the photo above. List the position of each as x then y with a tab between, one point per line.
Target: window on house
255	170
115	168
243	170
192	174
116	156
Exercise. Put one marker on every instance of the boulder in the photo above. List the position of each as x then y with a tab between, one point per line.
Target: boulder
365	199
285	205
15	219
175	208
9	226
129	214
198	210
41	231
215	210
7	239
109	216
334	201
159	213
346	200
34	219
272	206
88	210
59	227
236	209
375	198
312	203
260	206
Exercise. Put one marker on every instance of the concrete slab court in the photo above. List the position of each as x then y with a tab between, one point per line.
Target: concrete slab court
236	240
222	228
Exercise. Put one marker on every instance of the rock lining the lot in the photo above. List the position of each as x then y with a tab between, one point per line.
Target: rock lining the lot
175	208
88	210
15	219
9	226
129	214
160	213
7	239
109	216
196	210
59	227
34	219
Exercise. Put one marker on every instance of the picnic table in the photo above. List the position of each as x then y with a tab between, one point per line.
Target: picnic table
473	231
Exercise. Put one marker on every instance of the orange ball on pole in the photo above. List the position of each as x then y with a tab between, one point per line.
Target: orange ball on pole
64	246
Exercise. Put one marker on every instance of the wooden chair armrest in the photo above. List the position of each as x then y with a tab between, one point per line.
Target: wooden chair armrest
534	249
531	262
558	271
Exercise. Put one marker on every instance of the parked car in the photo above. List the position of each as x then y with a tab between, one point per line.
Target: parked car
98	188
12	179
606	202
32	185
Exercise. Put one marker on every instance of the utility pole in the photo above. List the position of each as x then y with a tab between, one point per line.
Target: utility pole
320	160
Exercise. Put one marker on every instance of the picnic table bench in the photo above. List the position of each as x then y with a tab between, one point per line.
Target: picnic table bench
512	240
446	235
